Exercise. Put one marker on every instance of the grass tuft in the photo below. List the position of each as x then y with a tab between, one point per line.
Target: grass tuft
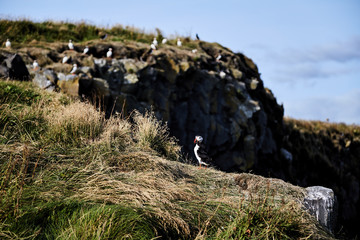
75	123
150	133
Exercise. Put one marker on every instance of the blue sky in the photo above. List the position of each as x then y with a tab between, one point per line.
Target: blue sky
308	52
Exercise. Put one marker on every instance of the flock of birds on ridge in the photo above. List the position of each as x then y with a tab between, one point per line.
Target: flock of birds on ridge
153	46
199	149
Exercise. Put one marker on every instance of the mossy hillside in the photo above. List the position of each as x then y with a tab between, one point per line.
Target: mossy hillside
24	31
84	176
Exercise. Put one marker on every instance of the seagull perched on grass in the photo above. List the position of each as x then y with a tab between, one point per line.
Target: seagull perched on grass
109	53
71	45
200	152
8	43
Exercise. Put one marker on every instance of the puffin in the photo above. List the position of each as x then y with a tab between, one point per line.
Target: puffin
200	152
179	42
109	53
71	45
197	37
74	69
8	43
86	50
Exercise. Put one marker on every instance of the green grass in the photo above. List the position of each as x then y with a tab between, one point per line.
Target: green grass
19	118
14	93
79	220
25	31
72	174
261	218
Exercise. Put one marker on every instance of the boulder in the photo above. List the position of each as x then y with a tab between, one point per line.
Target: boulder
286	154
16	67
41	81
321	203
51	76
69	85
4	71
101	87
43	56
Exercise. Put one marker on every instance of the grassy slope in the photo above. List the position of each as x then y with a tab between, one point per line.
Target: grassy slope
24	32
66	172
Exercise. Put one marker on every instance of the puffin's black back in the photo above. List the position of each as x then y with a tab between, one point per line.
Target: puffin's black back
202	152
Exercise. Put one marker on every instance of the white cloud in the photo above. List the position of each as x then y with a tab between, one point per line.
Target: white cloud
341	52
309	66
342	108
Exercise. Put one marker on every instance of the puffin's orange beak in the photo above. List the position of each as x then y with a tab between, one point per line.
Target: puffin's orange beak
195	140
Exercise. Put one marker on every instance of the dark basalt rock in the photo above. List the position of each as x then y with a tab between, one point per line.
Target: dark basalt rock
15	67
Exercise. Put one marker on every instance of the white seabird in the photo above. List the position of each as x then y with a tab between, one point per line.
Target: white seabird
74	68
109	53
155	42
65	59
86	50
164	41
8	43
153	46
200	152
222	74
194	51
35	65
179	42
71	45
218	57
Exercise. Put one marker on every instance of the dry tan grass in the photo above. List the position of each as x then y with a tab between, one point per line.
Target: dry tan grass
252	184
317	126
75	122
138	188
116	134
150	133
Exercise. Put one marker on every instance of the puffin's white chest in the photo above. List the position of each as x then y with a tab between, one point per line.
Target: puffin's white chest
196	149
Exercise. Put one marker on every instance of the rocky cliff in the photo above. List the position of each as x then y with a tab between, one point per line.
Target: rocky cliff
224	99
198	89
